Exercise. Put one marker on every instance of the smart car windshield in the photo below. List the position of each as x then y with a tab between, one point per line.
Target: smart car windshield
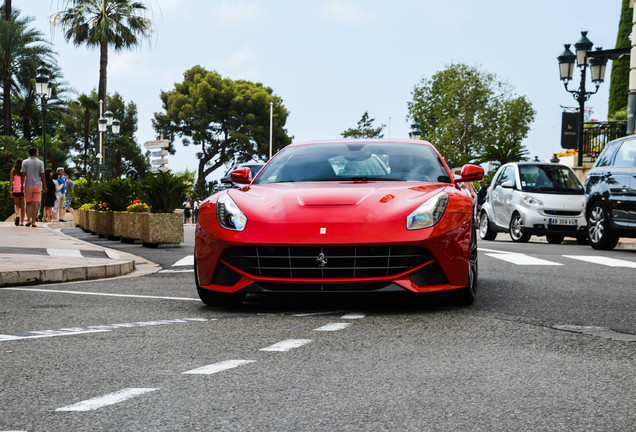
549	179
355	161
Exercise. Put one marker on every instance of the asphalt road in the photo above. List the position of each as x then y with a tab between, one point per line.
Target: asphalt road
548	345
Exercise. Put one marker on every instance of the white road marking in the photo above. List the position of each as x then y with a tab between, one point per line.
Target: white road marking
106	400
352	316
185	261
610	262
522	259
603	332
102	294
218	367
333	327
97	328
306	314
176	271
75	253
287	345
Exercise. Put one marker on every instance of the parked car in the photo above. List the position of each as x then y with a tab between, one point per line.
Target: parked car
534	198
227	183
341	216
610	188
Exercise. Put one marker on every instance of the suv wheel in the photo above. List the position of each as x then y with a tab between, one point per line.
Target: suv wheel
599	229
516	229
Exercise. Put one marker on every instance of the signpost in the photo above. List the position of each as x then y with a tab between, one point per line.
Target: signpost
162	146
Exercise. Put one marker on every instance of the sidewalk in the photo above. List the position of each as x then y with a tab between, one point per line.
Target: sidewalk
30	256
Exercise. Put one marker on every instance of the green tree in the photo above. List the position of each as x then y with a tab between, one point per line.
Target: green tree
102	23
79	135
20	45
228	119
510	125
365	129
461	109
619	80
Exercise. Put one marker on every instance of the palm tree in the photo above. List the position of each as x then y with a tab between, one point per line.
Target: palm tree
103	23
87	104
20	46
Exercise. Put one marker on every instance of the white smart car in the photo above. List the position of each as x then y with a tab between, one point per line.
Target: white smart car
534	198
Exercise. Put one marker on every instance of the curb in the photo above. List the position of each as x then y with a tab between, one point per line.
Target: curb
66	274
128	266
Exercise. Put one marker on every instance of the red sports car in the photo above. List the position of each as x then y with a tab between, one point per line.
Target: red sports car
341	216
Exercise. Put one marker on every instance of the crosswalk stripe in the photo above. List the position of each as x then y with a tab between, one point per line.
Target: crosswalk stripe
185	261
109	399
522	259
610	262
218	367
286	345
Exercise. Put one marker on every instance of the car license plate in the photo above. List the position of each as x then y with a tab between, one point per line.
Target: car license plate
562	221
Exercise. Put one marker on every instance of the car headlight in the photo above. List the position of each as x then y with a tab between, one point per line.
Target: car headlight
229	214
429	213
530	200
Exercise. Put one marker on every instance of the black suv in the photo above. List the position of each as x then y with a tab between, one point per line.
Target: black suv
610	188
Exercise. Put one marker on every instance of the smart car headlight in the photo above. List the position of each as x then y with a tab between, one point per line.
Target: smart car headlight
229	214
429	213
530	200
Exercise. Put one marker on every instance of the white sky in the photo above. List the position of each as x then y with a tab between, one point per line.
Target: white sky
330	60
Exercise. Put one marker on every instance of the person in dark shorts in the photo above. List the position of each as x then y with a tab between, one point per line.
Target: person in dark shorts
49	196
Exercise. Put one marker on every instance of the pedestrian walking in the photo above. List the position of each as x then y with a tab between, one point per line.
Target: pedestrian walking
16	190
195	209
49	196
32	176
187	212
57	195
61	179
68	203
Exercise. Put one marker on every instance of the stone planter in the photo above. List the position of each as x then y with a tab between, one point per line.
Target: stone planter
118	224
77	218
161	229
92	221
104	223
131	227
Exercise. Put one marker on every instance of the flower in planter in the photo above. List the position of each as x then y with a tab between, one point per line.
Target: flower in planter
104	206
88	206
138	206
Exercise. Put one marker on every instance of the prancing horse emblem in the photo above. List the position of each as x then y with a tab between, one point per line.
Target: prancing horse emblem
321	259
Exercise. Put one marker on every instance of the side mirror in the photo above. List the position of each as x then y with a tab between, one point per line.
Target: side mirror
241	176
509	184
470	173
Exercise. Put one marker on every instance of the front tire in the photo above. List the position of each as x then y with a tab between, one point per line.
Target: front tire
517	233
485	232
598	225
466	296
213	298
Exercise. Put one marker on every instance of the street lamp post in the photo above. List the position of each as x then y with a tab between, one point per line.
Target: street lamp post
108	120
584	57
43	88
415	132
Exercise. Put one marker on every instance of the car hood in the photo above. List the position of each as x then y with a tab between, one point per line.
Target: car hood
283	199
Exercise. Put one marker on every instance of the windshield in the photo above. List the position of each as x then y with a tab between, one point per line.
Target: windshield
355	161
549	179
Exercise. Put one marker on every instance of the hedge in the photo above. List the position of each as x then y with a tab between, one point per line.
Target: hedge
6	201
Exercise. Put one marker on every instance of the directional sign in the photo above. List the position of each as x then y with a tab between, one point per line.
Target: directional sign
155	170
160	153
161	161
156	144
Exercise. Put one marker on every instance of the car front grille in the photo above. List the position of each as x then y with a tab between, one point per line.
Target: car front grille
562	213
337	262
